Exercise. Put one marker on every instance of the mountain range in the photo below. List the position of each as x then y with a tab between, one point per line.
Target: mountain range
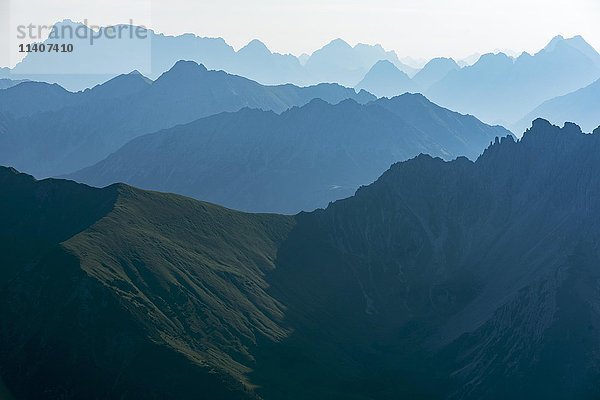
434	71
449	280
8	83
154	53
295	161
385	79
496	88
581	106
500	89
51	131
347	65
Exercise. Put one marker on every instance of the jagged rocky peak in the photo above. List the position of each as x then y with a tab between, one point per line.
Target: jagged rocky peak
542	128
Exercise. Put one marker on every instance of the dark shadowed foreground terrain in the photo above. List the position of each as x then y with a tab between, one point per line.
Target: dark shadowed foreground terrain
441	280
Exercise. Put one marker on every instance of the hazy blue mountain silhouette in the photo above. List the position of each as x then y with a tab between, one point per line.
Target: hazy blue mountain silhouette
120	86
257	62
371	54
581	107
82	128
422	285
29	98
469	60
435	70
152	56
94	64
499	89
416	63
8	83
87	66
386	80
339	62
300	160
577	42
336	61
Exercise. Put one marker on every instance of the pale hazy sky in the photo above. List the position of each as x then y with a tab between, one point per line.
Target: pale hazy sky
417	28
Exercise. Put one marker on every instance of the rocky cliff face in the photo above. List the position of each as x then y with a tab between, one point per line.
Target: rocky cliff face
494	261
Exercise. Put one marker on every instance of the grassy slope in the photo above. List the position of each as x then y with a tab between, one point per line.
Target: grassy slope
131	293
192	273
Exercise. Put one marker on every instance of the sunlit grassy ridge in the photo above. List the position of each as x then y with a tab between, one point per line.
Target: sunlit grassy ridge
192	273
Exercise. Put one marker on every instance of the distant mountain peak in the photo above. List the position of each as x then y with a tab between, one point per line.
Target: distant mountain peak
61	27
255	46
133	75
386	69
558	37
435	70
121	85
181	73
338	43
494	59
68	22
184	67
414	96
577	42
376	46
442	60
495	56
32	85
186	64
385	65
555	41
315	103
385	79
561	39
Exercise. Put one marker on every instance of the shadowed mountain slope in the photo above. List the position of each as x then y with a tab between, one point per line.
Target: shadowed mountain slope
442	279
300	160
124	317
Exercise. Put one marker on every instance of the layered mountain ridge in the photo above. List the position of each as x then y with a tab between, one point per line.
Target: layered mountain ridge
55	132
296	161
154	53
443	279
518	84
581	106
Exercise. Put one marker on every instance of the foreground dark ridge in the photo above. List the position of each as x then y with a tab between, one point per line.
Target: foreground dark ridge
441	280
